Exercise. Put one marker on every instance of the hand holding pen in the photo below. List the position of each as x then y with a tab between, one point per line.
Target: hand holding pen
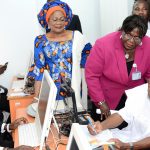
91	126
94	128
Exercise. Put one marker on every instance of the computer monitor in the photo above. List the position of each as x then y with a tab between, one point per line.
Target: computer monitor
80	138
46	105
77	139
43	114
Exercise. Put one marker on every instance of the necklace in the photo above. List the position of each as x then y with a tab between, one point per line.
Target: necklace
127	56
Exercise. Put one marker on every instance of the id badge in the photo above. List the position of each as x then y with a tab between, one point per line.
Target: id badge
136	75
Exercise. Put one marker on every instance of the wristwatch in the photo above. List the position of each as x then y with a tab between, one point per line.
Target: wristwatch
101	102
131	146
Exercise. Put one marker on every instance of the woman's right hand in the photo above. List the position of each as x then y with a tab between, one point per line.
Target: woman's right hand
97	128
105	111
17	122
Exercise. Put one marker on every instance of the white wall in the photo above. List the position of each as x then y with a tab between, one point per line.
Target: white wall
112	13
88	12
130	4
19	26
112	16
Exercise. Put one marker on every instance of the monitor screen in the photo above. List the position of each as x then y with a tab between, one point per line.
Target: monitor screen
73	145
43	100
47	98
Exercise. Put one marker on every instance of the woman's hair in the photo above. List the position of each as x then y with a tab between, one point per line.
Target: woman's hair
148	6
135	21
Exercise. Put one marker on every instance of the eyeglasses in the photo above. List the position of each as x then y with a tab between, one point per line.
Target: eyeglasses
128	36
138	9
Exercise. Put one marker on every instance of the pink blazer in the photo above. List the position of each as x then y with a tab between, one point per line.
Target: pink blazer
106	71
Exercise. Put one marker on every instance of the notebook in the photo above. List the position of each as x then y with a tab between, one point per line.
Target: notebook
18	85
80	138
44	115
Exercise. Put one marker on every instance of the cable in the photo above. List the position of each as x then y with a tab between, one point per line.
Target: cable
58	141
46	146
53	137
59	144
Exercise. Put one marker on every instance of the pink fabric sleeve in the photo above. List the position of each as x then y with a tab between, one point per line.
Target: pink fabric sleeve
93	72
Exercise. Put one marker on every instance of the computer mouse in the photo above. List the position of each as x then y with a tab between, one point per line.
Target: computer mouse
31	110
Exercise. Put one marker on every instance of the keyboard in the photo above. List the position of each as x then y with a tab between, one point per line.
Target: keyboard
19	84
28	135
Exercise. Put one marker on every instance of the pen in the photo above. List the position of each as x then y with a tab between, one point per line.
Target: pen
90	122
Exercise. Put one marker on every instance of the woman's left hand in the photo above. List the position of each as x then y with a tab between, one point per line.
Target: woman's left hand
17	122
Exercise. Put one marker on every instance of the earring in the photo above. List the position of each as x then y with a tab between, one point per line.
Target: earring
121	36
140	44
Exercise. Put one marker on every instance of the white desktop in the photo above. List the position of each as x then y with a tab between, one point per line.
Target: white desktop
44	114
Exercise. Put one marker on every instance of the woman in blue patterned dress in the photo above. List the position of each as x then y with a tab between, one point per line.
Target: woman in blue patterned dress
62	52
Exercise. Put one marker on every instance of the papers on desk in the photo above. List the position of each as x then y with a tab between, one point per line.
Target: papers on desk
19	84
99	139
19	94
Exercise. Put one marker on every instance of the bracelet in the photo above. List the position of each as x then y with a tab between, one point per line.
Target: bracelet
3	128
8	130
131	146
101	102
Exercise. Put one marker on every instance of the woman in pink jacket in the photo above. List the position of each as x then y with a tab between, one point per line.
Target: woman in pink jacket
118	61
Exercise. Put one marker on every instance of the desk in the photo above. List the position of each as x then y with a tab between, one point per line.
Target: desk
16	102
53	135
18	105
